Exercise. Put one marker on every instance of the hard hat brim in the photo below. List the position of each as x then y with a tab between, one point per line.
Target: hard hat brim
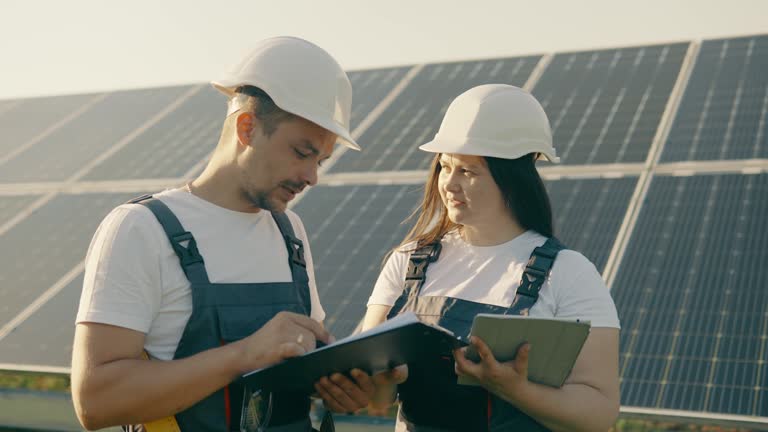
477	147
344	136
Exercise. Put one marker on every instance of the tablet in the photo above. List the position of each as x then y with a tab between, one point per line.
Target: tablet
555	344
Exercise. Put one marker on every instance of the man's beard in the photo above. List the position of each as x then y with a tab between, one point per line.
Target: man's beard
262	200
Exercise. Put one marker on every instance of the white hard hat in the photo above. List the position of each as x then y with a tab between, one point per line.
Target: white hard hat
301	78
496	120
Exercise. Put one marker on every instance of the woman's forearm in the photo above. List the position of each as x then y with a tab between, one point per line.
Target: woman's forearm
572	408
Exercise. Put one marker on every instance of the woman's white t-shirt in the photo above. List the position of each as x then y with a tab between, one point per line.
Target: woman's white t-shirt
491	275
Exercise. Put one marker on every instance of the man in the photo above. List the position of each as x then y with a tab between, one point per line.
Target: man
215	279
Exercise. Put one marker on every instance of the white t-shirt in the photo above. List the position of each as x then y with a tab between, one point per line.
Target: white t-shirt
133	278
491	275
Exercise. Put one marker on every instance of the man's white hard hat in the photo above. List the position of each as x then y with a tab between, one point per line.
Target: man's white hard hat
496	120
301	78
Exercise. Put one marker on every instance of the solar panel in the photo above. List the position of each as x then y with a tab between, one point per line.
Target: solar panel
46	245
23	120
369	87
692	299
604	106
10	206
172	146
66	150
350	230
724	111
587	213
414	117
7	104
45	338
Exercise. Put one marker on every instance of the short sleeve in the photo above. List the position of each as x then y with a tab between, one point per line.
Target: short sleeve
389	285
586	297
122	283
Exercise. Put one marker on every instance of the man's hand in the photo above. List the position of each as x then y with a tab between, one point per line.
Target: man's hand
341	394
394	376
286	335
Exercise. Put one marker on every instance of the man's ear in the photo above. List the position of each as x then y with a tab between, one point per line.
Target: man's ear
246	124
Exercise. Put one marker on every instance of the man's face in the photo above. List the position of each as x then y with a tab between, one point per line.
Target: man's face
274	169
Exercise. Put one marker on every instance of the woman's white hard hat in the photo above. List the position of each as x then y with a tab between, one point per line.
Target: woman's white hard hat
301	78
496	120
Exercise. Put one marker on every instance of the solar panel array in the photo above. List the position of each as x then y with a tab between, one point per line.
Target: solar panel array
723	113
684	251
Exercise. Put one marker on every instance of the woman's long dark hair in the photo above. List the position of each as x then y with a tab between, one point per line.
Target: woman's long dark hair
520	185
524	192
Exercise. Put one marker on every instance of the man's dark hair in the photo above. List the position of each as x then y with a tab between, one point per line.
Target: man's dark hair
262	105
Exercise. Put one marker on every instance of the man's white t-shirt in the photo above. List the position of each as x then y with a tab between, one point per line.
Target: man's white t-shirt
133	278
491	275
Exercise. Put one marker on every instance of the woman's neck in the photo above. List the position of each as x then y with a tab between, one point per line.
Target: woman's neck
491	235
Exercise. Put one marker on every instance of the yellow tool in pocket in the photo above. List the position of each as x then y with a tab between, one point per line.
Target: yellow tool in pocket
166	424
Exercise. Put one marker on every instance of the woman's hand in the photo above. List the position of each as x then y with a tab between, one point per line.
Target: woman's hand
507	380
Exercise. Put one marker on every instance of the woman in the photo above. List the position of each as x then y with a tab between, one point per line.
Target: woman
483	243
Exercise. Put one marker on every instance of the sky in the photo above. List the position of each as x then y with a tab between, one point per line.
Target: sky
53	47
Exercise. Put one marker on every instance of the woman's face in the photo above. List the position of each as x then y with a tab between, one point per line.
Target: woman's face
469	192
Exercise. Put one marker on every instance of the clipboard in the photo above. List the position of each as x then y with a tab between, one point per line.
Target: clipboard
398	341
555	344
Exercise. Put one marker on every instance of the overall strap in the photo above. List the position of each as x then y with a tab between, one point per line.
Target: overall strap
536	271
418	263
296	260
182	241
292	243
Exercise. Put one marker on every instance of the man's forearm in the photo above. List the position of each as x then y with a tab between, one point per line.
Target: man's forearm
132	391
384	396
